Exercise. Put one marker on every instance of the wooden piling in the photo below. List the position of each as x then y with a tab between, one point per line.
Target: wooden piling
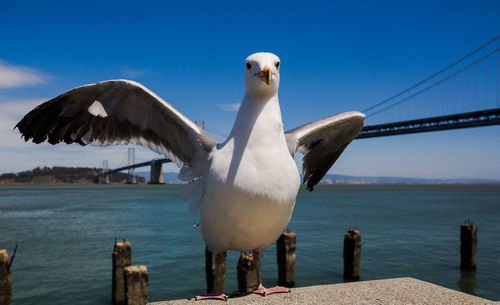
136	285
215	278
247	274
468	246
352	254
122	257
5	279
286	246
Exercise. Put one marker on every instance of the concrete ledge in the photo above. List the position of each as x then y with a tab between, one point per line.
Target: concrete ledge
390	291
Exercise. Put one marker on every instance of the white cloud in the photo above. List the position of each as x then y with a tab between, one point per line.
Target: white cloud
11	112
18	108
229	107
18	76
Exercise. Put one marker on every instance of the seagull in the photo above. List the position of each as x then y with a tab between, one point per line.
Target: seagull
245	187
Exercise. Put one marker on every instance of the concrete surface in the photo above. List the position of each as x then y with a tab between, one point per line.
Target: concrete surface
390	291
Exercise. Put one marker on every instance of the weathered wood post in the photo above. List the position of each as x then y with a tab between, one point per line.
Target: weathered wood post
215	278
122	257
5	279
352	254
247	274
468	246
285	246
136	285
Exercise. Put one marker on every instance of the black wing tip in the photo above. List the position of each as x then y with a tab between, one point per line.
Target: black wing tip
22	123
310	184
20	127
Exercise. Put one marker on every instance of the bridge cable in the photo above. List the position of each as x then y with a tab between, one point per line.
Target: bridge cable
433	75
436	83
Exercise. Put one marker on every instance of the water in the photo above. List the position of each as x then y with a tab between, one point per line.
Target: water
66	234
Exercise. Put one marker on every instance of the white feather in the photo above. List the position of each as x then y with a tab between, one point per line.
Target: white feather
97	109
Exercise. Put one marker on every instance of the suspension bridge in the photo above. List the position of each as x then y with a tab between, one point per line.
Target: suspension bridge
463	94
155	174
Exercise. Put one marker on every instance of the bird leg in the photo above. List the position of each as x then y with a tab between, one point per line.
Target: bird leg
257	254
258	265
216	292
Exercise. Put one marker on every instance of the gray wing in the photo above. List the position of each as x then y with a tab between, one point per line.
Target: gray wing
322	142
116	112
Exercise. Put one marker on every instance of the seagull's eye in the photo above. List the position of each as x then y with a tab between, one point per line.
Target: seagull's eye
277	64
249	66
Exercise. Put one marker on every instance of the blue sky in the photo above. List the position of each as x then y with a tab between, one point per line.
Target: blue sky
336	56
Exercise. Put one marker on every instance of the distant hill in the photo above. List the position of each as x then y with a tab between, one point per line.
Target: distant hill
344	179
59	174
171	178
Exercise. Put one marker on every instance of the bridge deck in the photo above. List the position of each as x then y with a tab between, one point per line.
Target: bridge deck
147	163
454	121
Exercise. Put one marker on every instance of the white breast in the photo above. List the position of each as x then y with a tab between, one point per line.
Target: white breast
250	209
250	190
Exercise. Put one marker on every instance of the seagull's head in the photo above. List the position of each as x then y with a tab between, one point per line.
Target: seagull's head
262	74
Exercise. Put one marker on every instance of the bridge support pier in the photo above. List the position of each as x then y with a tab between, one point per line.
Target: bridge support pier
156	174
103	179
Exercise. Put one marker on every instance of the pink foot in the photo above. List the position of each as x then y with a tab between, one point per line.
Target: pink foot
212	296
261	290
278	289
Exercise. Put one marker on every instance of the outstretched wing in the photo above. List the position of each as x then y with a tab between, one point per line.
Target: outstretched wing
116	112
322	142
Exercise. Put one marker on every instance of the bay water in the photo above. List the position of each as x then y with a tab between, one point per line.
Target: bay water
66	235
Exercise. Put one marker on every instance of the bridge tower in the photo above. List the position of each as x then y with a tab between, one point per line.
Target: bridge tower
131	170
105	168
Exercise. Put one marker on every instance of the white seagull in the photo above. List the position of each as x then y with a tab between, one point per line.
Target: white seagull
245	187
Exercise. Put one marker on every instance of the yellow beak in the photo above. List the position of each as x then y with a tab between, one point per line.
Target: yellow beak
266	75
